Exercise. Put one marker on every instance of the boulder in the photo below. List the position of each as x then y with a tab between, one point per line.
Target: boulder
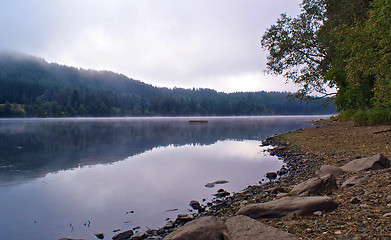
315	185
353	181
245	228
375	162
204	228
124	235
288	206
327	169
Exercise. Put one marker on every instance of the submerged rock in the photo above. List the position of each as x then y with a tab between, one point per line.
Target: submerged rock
99	235
221	182
124	235
71	239
212	184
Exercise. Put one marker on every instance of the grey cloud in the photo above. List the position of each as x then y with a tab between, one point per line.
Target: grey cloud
172	42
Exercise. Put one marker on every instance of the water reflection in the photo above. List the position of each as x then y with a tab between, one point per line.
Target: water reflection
74	171
34	147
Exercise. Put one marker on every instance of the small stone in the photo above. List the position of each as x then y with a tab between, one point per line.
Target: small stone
318	213
99	235
195	204
354	200
338	232
169	224
387	214
388	198
124	235
221	181
271	175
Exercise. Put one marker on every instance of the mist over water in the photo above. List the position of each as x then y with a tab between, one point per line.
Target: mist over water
58	174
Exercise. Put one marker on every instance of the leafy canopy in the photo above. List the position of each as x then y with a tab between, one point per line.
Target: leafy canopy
341	44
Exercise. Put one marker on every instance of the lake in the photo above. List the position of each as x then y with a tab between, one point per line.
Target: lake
73	177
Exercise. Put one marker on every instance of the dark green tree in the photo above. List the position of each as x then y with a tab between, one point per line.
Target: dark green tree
297	51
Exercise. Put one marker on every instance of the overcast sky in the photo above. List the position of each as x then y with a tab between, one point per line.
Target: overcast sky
183	43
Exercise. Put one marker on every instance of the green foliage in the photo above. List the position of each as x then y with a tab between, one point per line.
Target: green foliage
49	90
297	51
370	116
344	44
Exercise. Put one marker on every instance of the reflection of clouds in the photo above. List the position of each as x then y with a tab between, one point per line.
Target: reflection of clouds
161	175
150	183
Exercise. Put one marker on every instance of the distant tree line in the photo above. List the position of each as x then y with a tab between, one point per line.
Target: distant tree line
31	87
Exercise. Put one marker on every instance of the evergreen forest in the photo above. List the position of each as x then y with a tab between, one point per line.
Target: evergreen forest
32	87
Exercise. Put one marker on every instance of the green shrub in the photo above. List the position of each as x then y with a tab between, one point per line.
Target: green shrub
370	116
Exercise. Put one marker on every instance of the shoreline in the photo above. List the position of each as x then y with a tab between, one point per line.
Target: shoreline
226	207
304	151
303	154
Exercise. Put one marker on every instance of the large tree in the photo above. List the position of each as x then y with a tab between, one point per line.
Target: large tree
313	50
367	49
297	51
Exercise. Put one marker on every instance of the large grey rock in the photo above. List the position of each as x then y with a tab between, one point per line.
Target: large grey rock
204	228
327	169
353	181
375	162
245	228
315	186
288	206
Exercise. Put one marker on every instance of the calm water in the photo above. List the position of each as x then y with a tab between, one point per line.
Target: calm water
56	175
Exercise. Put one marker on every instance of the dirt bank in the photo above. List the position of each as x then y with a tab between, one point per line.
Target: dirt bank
333	143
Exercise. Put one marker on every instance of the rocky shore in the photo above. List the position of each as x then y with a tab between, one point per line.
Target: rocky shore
335	184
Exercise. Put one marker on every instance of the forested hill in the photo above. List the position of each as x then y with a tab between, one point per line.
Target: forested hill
31	87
